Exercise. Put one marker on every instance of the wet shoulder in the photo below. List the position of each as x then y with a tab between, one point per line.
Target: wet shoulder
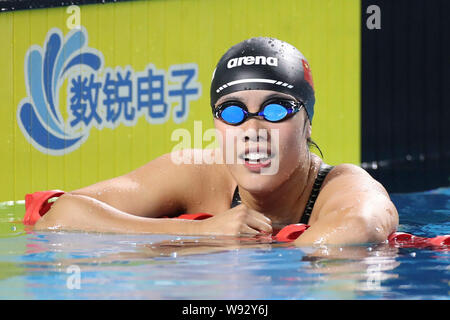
343	181
208	182
349	177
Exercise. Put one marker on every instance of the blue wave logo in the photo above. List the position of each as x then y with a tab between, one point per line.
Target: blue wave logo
46	68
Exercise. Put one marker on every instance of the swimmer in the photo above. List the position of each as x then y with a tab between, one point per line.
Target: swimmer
262	99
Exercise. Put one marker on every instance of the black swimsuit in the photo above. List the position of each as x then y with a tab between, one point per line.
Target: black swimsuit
323	171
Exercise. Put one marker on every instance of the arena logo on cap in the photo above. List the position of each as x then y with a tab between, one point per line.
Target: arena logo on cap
95	97
251	60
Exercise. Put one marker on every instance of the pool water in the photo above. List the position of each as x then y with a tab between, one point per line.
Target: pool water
69	265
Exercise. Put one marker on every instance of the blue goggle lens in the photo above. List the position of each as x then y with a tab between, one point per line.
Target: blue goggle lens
275	112
233	114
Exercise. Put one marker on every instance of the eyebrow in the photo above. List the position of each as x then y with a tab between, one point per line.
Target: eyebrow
231	98
279	95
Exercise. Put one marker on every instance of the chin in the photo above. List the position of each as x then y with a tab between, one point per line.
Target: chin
256	181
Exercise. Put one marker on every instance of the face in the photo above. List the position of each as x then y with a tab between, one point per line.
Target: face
260	154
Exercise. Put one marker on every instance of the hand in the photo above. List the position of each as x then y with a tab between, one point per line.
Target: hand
239	220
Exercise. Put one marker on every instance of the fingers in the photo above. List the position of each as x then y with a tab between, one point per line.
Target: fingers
259	222
239	220
259	216
253	222
246	230
256	214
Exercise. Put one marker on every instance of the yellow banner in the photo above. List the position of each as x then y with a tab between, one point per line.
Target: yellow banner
92	92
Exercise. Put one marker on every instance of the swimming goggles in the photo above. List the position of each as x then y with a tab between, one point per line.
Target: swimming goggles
273	110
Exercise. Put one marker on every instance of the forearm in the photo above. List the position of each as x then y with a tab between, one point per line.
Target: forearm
82	213
371	219
348	231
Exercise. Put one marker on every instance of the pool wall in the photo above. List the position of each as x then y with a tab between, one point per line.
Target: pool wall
405	96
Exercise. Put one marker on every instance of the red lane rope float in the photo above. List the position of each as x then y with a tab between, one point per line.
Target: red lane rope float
407	240
290	232
36	205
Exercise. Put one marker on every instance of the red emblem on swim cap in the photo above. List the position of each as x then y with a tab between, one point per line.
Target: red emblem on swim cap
307	73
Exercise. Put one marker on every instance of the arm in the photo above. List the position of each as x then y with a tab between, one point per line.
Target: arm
153	190
120	204
83	213
351	208
78	212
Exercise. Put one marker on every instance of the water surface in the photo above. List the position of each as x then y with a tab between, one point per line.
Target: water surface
48	265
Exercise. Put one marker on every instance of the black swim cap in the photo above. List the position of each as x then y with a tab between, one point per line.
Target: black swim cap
264	64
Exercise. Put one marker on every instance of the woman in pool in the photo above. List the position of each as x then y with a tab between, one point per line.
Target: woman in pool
262	99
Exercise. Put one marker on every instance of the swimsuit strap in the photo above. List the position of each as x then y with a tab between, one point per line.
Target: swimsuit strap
323	171
236	198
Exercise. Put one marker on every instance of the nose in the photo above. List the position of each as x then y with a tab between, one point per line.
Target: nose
254	127
254	130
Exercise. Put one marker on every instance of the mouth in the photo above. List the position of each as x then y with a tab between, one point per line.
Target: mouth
255	159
